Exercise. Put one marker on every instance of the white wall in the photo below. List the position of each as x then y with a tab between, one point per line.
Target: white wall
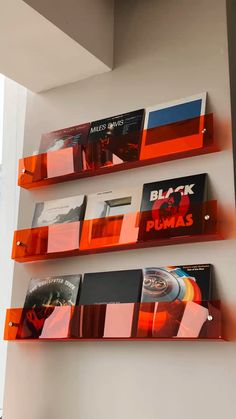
12	144
164	50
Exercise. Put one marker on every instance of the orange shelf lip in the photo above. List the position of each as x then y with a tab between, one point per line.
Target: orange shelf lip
28	165
176	320
119	167
129	246
74	239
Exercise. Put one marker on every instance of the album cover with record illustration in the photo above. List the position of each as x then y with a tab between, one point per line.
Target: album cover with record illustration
60	211
115	140
182	283
172	207
111	287
44	295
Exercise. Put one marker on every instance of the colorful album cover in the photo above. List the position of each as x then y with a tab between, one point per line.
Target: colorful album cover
41	316
174	127
172	207
111	287
182	283
63	138
115	140
60	211
111	218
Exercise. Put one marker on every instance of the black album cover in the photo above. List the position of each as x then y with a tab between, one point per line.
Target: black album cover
111	287
53	291
182	283
172	207
115	140
43	296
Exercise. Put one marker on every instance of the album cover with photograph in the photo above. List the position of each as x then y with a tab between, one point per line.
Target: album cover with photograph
60	211
174	127
182	283
111	218
115	140
172	207
111	287
41	316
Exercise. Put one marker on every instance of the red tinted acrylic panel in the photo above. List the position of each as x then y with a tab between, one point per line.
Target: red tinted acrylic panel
173	320
110	234
172	141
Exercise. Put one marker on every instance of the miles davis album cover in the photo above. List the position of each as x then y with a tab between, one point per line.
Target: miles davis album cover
115	140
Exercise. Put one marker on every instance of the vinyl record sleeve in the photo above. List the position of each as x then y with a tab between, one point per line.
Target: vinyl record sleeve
174	127
183	283
111	287
111	218
53	291
63	138
47	305
59	211
172	207
115	140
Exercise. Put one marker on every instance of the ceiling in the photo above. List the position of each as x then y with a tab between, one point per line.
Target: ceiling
38	54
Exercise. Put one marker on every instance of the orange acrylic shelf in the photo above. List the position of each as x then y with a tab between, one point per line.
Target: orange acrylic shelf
170	142
129	321
121	232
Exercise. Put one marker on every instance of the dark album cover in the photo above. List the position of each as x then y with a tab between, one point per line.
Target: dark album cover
63	138
183	283
111	287
53	291
40	315
172	207
60	211
115	140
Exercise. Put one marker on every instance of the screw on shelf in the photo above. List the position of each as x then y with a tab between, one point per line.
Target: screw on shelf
204	131
209	317
25	171
207	217
19	243
12	324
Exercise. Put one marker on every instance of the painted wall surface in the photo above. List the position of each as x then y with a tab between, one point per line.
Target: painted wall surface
91	23
164	50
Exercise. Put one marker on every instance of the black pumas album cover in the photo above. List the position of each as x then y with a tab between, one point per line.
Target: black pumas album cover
111	287
115	140
60	211
183	283
172	207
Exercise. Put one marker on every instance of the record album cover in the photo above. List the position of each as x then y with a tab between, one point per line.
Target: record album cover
115	140
174	127
53	291
60	211
111	218
63	138
183	283
46	311
111	287
172	207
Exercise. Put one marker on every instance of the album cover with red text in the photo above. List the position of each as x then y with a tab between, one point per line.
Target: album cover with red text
172	207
